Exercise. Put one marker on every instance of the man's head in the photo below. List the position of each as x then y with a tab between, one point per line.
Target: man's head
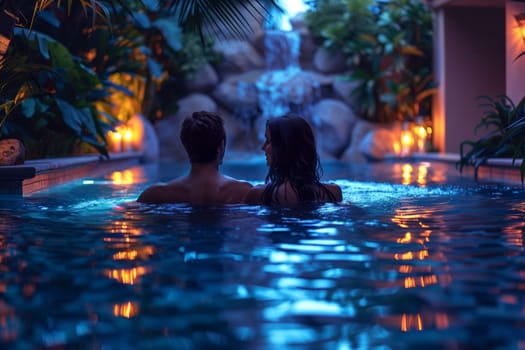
203	137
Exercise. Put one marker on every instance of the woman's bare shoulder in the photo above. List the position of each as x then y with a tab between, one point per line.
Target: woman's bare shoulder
335	190
254	195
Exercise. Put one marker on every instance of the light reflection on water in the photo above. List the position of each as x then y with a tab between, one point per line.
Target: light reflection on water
415	256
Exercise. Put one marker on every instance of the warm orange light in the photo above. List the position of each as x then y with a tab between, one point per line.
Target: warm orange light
407	141
127	310
122	178
115	139
520	18
121	139
407	174
421	138
411	322
127	138
127	276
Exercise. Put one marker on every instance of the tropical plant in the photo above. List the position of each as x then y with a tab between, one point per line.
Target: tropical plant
504	125
50	101
388	46
60	78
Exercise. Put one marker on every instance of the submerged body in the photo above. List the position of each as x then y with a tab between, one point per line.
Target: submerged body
285	194
294	168
204	139
201	186
430	259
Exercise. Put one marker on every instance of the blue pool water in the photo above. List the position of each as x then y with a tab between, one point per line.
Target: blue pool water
415	257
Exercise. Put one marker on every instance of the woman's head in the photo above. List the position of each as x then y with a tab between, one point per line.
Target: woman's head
292	158
290	143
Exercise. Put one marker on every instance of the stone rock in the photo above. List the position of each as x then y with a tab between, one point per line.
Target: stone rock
329	62
378	143
238	90
204	79
195	102
335	121
145	138
282	91
359	131
259	44
238	56
307	51
344	89
12	151
168	132
240	135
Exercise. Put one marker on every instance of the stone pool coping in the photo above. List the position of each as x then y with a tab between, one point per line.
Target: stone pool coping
501	170
36	175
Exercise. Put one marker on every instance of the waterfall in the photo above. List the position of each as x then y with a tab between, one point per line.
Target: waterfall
284	87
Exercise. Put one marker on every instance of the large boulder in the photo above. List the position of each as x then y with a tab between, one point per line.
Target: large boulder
379	143
343	89
360	130
203	80
335	121
241	135
238	57
326	61
238	90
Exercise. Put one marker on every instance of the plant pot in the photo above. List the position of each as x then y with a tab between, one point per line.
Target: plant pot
12	151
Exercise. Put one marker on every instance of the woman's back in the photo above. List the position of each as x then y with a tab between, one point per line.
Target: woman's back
285	194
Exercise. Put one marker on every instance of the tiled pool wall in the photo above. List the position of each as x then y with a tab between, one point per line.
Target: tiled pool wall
37	175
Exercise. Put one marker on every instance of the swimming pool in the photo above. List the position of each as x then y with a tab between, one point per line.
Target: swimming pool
415	256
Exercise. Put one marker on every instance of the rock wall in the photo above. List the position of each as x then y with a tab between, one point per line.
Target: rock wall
231	89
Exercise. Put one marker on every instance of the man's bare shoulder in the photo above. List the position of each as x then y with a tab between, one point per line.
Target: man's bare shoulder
233	190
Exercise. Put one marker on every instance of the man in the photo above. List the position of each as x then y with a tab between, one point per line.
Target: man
204	139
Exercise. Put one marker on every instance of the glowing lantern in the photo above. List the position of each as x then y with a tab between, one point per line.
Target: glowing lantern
407	140
127	138
115	141
121	140
422	133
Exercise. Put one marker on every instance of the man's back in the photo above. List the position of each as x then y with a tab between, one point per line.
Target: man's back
204	139
197	190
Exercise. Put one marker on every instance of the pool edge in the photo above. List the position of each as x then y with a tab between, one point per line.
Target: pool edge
501	170
37	175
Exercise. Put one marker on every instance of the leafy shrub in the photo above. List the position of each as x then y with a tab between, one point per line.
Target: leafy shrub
504	124
388	46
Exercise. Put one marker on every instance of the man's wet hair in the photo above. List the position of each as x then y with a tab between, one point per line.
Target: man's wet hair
202	133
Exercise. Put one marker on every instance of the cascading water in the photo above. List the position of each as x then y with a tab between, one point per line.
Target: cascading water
284	87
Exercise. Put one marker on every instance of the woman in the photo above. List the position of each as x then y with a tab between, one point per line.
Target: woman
294	167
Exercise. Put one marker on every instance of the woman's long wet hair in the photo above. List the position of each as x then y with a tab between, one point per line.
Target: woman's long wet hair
294	160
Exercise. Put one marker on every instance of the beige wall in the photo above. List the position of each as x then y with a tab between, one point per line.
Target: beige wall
469	61
515	45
